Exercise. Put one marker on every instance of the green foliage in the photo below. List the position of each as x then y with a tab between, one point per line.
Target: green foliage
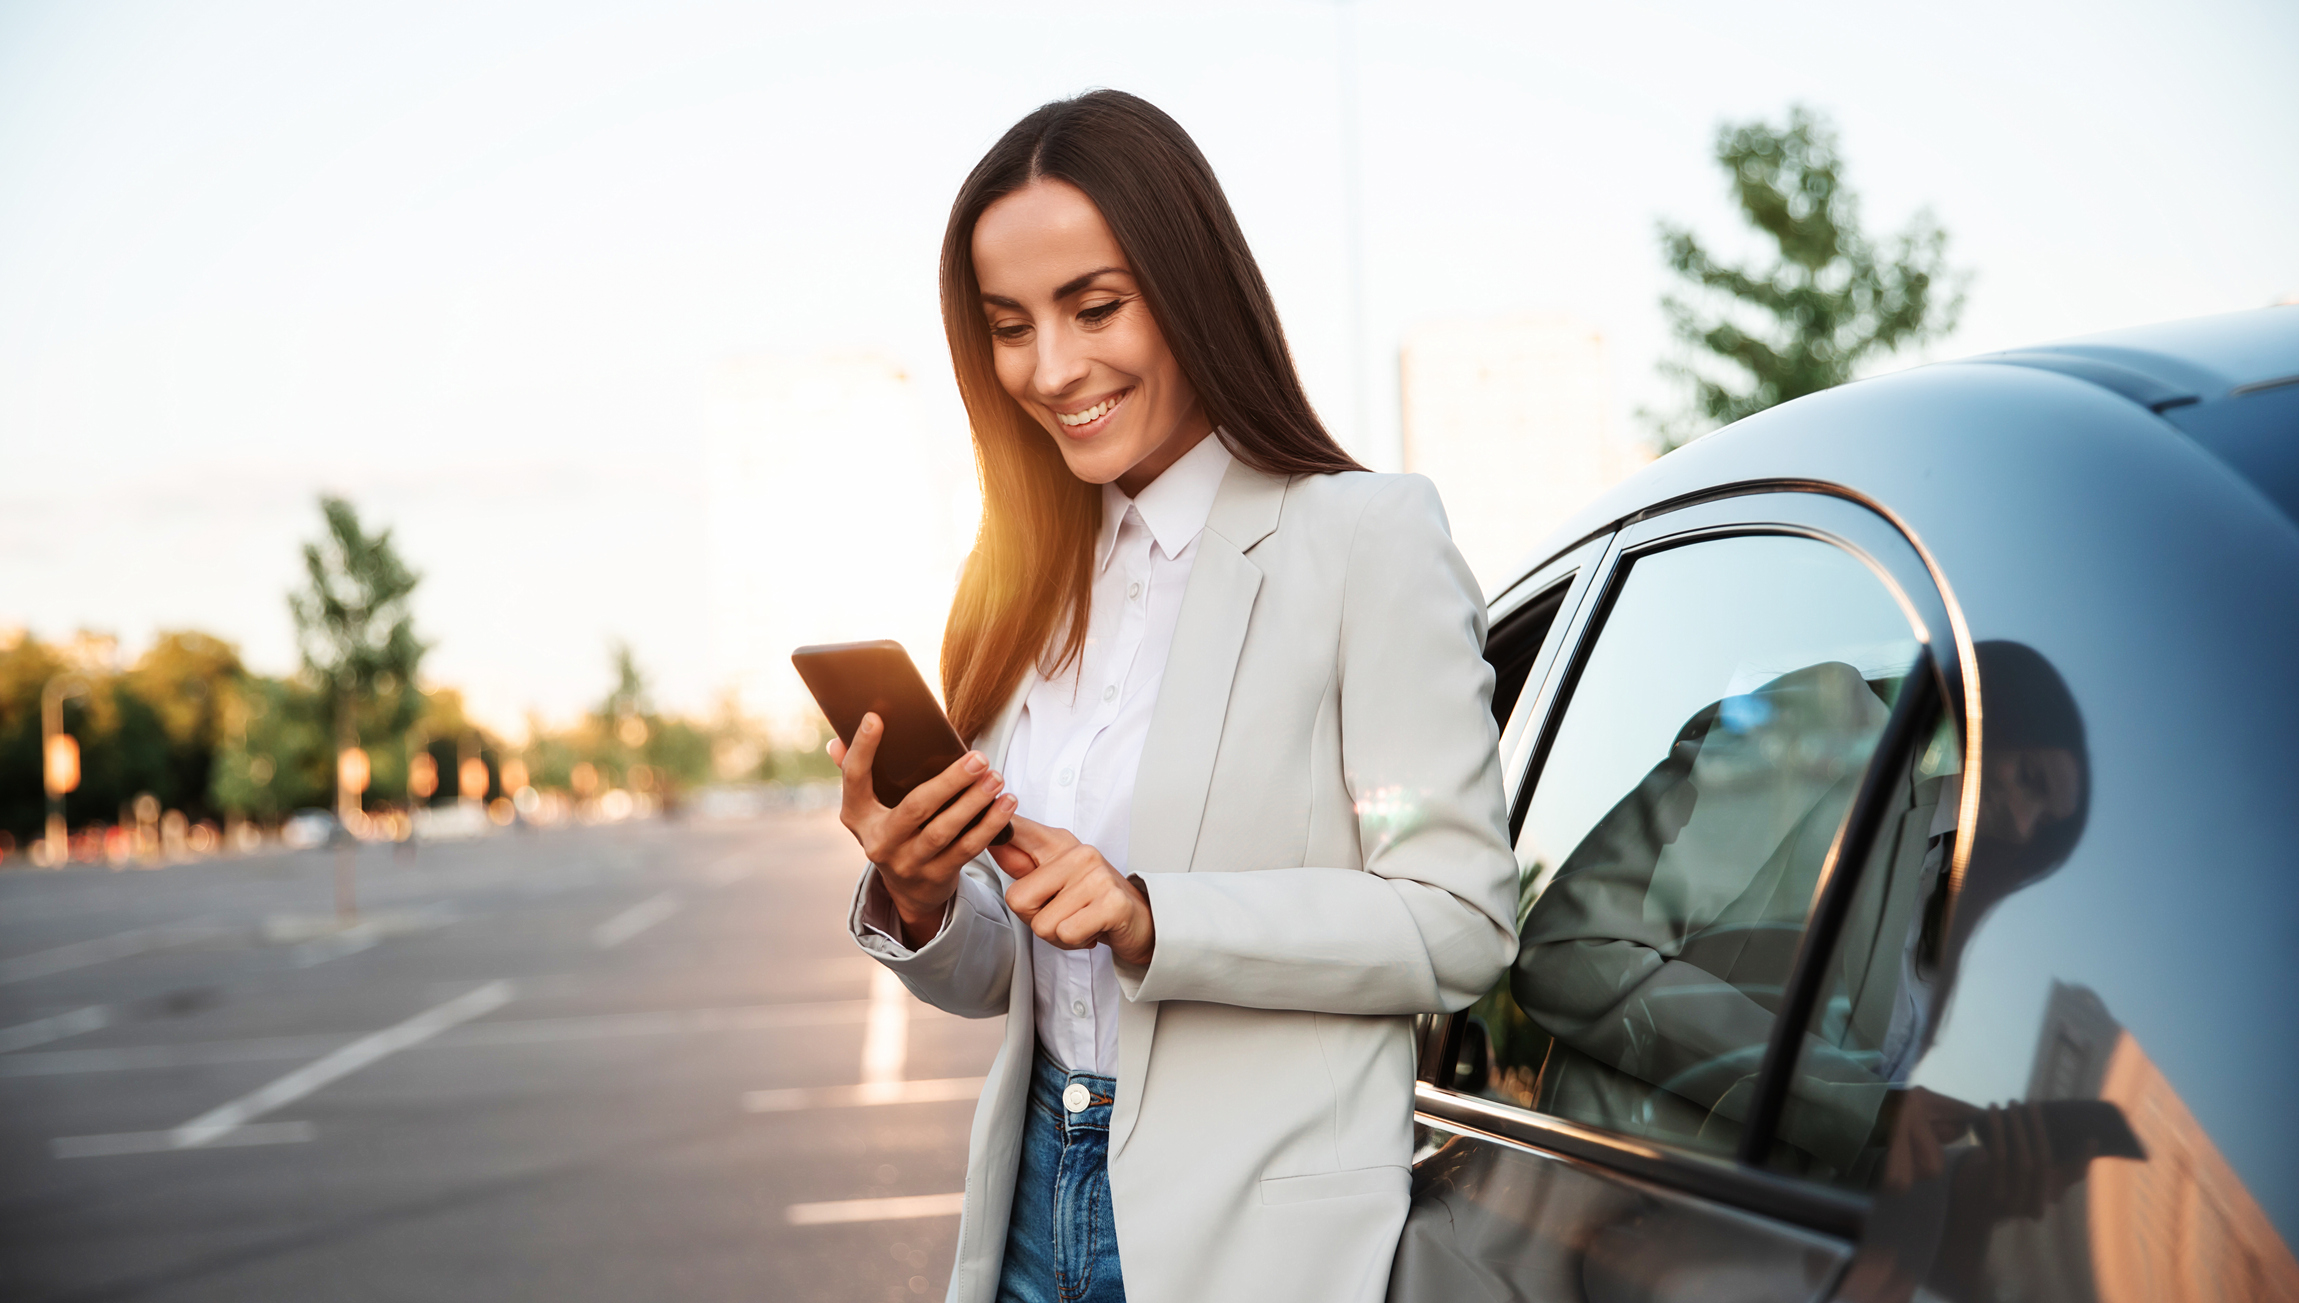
281	759
355	629
155	728
1829	300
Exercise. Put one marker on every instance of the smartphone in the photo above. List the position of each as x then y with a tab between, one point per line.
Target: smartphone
2070	1125
851	679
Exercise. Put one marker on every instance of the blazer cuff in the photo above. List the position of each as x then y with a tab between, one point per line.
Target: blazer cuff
877	927
1143	982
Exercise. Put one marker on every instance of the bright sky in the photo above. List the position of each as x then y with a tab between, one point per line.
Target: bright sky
473	264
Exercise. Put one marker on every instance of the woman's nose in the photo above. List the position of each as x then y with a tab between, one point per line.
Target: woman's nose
1061	364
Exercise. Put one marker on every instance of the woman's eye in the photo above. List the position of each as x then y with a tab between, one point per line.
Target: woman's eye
1100	312
1009	334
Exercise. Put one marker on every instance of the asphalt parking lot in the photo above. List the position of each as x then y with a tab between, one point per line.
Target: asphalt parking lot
630	1062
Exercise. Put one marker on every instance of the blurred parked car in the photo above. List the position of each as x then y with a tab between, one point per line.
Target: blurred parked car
1905	788
306	829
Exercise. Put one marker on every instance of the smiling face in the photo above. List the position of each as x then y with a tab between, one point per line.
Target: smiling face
1074	341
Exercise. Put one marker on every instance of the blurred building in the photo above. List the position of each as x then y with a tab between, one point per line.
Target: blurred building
2178	1226
840	508
1512	418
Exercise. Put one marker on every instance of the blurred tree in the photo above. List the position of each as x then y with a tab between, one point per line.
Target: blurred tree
26	665
356	632
277	758
629	696
1831	299
190	681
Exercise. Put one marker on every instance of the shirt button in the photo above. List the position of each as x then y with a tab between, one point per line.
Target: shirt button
1066	776
1075	1098
1110	693
1078	1007
1135	591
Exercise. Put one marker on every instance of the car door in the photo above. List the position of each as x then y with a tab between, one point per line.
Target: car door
1727	701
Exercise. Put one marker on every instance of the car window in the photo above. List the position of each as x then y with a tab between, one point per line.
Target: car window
1709	749
1515	644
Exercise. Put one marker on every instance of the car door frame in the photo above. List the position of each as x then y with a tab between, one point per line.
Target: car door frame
1944	673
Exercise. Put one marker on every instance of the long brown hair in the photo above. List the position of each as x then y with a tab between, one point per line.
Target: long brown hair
1032	564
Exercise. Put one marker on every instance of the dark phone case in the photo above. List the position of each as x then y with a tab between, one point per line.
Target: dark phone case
851	679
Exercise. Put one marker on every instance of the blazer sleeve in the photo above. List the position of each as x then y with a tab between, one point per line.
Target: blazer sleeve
1428	924
968	968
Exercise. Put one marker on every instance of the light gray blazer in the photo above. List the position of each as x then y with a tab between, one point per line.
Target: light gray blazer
1319	822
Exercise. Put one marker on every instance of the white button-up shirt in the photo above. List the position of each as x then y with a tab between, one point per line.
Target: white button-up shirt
1078	745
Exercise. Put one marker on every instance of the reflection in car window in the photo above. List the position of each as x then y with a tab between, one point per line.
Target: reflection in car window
2095	1180
1708	754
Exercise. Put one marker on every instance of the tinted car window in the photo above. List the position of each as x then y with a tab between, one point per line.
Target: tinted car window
1710	747
2074	1095
1515	643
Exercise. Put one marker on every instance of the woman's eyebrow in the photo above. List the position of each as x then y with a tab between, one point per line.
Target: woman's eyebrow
1076	283
1071	286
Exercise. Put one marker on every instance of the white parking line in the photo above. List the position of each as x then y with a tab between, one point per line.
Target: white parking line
886	1036
638	918
897	1208
335	945
99	950
877	1092
524	1031
218	1123
40	1031
159	1142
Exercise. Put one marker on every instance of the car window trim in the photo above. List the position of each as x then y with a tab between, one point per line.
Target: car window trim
1904	731
1578	569
1810	1205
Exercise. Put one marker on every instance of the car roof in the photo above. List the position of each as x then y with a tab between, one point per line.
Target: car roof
2229	383
2206	356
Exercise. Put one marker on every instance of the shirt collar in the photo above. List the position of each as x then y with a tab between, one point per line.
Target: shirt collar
1175	505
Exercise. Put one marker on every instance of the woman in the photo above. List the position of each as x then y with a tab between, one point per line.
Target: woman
1227	688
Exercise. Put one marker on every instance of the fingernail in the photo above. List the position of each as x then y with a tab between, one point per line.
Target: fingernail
975	763
1008	802
869	724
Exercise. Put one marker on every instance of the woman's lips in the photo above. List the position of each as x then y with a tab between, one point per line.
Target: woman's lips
1090	421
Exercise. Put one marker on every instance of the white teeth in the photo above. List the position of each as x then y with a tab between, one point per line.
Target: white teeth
1091	414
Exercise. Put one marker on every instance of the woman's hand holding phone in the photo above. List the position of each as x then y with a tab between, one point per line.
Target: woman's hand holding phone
919	852
1072	897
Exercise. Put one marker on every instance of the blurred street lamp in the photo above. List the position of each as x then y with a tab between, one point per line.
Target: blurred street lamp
351	775
1353	220
471	778
422	777
352	770
60	759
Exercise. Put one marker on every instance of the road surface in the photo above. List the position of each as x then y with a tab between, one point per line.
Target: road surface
639	1061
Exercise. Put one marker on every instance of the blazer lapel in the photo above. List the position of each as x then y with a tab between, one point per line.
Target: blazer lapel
1193	698
1176	771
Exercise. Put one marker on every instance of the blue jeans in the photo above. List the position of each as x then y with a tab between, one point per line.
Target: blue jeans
1061	1242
